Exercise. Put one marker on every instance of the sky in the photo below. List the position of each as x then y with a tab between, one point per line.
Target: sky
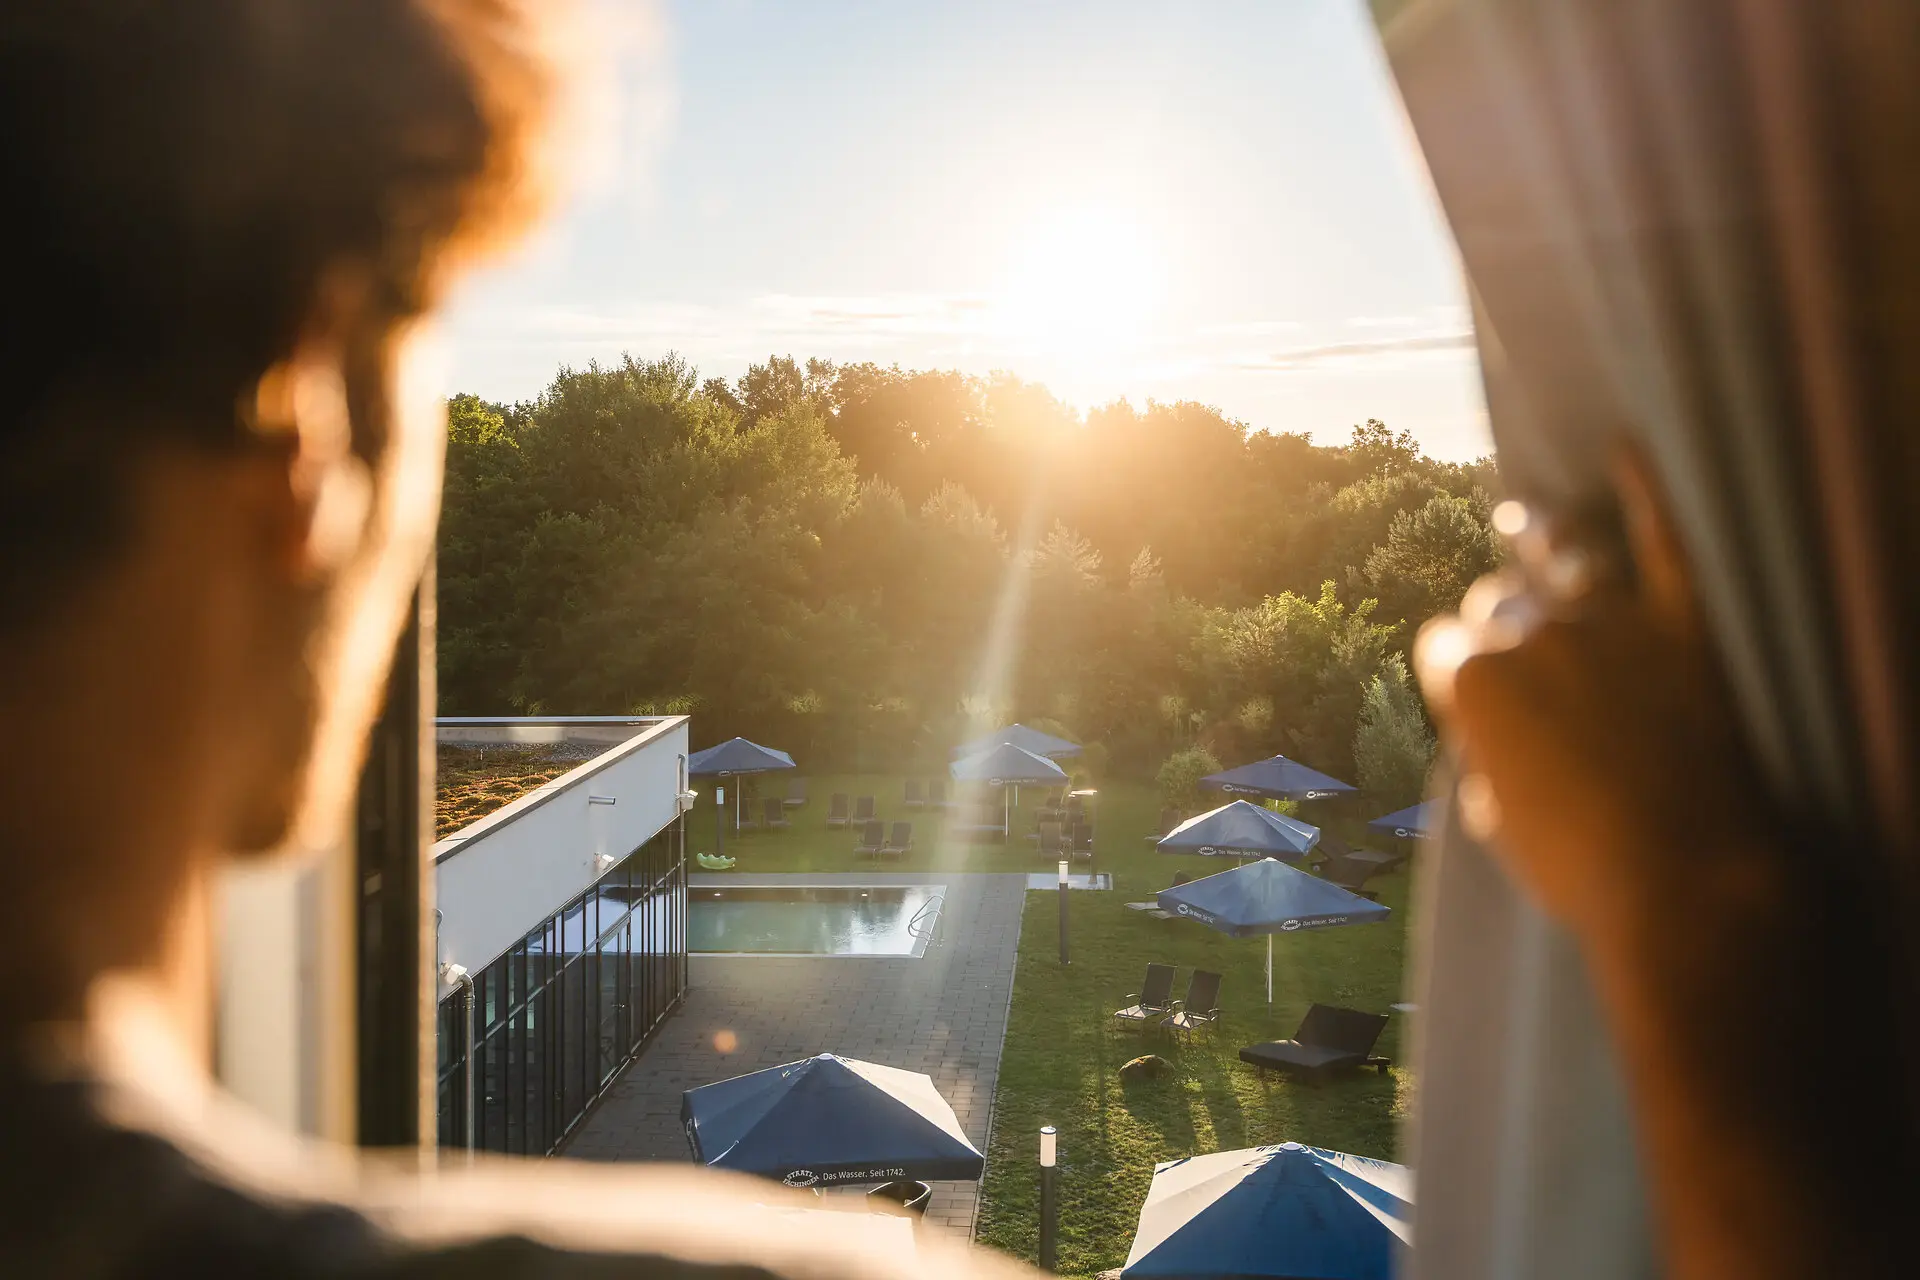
1214	201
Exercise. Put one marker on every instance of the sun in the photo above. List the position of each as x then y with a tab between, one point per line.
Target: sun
1081	282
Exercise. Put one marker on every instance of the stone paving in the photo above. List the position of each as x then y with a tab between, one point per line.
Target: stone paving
944	1014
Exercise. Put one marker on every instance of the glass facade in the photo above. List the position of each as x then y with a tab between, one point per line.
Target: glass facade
558	1016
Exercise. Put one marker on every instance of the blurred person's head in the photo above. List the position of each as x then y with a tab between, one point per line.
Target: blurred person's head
227	219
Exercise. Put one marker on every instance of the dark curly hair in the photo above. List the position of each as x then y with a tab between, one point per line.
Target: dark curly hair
177	175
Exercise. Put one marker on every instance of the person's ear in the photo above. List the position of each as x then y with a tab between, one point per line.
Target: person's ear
317	493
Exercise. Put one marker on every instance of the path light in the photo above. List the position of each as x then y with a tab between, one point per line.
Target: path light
719	822
1049	1201
1063	912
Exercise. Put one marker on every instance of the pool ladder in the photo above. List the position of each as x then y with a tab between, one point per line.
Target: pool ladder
921	926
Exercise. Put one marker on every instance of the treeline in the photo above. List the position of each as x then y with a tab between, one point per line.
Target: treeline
846	561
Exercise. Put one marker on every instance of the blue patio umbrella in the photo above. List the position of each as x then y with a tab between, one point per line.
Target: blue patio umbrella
1006	765
829	1121
1041	744
1267	897
1277	778
735	756
1415	822
1290	1212
1242	830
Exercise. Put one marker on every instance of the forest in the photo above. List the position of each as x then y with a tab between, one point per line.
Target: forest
853	562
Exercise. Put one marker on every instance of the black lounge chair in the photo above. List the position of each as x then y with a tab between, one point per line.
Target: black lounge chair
862	808
1082	845
872	839
1351	868
796	793
837	809
899	841
937	793
774	811
1330	1039
1200	1010
1350	874
1169	819
1052	841
1154	1000
916	798
746	818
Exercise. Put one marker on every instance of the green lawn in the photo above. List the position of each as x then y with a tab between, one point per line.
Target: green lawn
1063	1051
810	845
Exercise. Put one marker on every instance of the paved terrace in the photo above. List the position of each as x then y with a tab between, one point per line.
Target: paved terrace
944	1014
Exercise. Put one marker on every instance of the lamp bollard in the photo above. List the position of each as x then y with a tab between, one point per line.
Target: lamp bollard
720	822
1063	912
1049	1198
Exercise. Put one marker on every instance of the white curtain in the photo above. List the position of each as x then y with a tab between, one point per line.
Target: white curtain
1662	208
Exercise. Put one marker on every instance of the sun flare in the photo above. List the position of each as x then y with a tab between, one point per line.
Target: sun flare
1081	282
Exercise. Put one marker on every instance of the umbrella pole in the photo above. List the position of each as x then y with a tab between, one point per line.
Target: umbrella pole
1269	968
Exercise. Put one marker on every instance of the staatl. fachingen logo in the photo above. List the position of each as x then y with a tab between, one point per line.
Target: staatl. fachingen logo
801	1178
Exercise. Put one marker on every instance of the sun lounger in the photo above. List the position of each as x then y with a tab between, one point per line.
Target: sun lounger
837	809
1330	1039
916	798
774	811
862	808
937	793
1350	873
872	839
796	793
1200	1010
899	841
1154	1000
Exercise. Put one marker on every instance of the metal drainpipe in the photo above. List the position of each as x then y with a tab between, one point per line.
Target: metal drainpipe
458	975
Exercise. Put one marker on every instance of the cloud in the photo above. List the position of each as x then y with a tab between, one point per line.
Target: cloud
1249	329
1348	354
884	316
1383	322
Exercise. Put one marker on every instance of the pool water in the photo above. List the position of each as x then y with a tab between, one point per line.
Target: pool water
793	920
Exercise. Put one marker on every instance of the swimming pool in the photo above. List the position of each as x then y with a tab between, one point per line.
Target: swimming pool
813	920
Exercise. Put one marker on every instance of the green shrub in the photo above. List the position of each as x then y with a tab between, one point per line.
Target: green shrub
1179	777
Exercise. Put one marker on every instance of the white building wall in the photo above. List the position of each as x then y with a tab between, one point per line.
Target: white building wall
504	874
